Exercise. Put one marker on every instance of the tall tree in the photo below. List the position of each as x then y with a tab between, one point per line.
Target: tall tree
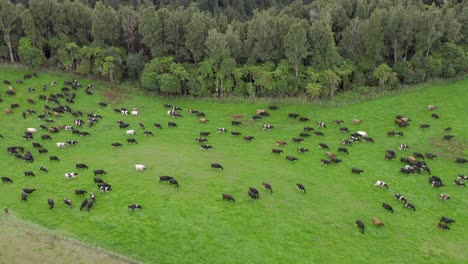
323	53
295	44
106	25
197	32
77	19
10	15
153	30
129	23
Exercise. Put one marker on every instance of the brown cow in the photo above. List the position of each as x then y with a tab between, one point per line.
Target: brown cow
203	120
377	222
357	121
331	155
281	143
8	111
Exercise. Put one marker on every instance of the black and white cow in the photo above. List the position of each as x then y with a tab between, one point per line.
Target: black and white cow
221	130
325	162
300	187
400	197
134	207
444	197
71	175
381	184
201	139
410	206
205	146
267	127
67	202
321	124
302	150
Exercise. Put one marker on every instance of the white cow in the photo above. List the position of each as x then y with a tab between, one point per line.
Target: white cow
135	113
131	132
31	129
61	144
140	167
362	133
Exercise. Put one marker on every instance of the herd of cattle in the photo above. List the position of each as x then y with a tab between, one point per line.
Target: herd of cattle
414	163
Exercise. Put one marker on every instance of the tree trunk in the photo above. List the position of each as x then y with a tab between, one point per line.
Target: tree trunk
296	69
6	36
395	46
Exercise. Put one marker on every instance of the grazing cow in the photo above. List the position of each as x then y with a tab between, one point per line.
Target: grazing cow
344	129
6	179
325	162
52	158
267	127
98	180
71	142
344	150
216	166
116	144
273	107
430	155
228	197
425	126
248	138
256	118
67	202
131	141
399	134
307	128
203	120
31	130
84	203
410	206
356	170
253	190
276	151
400	197
387	207
303	119
205	147
330	154
36	145
368	139
324	146
300	187
335	160
443	226
80	192
204	134
321	124
318	133
291	158
391	133
174	181
104	187
29	173
418	155
253	195
302	150
61	144
445	197
236	123
281	143
51	203
24	196
235	134
338	122
432	107
99	172
459	183
268	187
437	184
171	124
140	167
81	166
381	184
71	175
92	196
165	178
28	191
403	147
436	116
462	177
297	140
130	132
361	226
221	130
448	137
461	160
133	207
293	115
200	140
303	135
448	129
134	113
43	168
377	222
446	220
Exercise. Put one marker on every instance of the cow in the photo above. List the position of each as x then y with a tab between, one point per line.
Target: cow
29	173
330	154
362	133
461	160
325	162
446	220
80	192
98	180
203	120
276	151
81	166
200	140
437	184
171	124
303	119
335	160
381	184
104	187
134	113
140	167
434	115
68	202
61	144
267	186
134	207
165	178
356	171
116	144
248	138
361	226
6	179
281	143
344	150
297	140
84	203
425	126
418	155
391	133
443	226
273	107
399	134
302	150
253	190
432	107
256	118
54	158
51	203
216	166
400	197
71	175
205	146
377	222
291	158
308	128
31	130
445	197
448	137
344	129
321	124
221	130
338	122
462	177
130	132
36	145
28	191
228	197
303	135
319	133
131	141
430	155
387	207
293	115
71	142
300	187
267	127
24	197
174	181
99	172
410	206
324	146
236	123
43	168
448	129
253	195
92	196
368	139
459	183
204	134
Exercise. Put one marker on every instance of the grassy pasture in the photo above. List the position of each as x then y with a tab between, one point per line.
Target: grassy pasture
192	224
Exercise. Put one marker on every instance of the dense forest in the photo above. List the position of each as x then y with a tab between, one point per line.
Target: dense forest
313	48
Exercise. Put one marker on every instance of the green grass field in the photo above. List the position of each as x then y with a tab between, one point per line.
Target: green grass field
192	224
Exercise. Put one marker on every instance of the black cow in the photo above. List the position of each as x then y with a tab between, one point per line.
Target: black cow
303	134
448	129
134	207
418	155
446	220
308	128
236	134
256	118
461	160
335	160
434	115
443	226
52	158
51	203
29	173
83	204
344	129
28	191
81	166
98	180
344	150
116	145
368	139
165	178
448	137
174	181
253	190
42	150
300	187
297	140
268	187
304	119
276	151
24	196
216	166
36	145
236	123
99	172
399	134
171	124
319	133
324	146
68	202
79	192
6	179
157	125
325	162
410	206
253	195
387	207
206	147
273	107
204	133
293	115
248	138
228	197
356	170
425	126
291	158
46	137
131	141
361	225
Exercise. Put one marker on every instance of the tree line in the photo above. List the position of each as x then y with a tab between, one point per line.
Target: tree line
243	47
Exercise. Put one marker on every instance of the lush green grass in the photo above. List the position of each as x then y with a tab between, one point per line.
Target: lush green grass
192	224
